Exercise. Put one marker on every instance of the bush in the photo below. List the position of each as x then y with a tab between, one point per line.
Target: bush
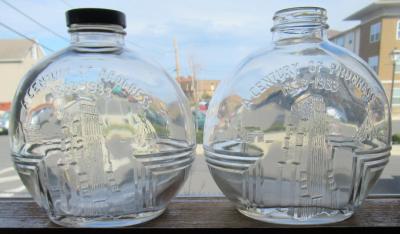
396	138
199	136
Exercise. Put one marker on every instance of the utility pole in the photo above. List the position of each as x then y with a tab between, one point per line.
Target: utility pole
392	88
177	66
194	89
395	55
194	67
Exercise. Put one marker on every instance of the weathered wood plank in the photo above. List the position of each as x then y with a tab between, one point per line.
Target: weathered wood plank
202	213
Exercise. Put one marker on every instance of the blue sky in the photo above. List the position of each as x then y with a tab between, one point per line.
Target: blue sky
215	34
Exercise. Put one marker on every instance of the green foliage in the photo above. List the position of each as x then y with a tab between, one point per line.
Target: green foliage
396	138
162	131
199	136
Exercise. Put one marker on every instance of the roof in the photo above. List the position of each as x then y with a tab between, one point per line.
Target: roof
14	50
337	34
333	33
376	5
184	79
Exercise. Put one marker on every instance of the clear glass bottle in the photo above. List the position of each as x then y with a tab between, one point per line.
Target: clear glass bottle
301	132
99	136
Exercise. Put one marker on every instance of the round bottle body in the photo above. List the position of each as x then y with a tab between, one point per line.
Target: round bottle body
299	134
100	137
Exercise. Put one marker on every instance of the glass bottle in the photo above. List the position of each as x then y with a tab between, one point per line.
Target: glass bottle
99	136
301	132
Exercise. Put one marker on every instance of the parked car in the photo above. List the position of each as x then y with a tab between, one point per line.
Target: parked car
199	118
4	122
203	106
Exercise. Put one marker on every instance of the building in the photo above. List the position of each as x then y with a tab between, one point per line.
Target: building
187	87
349	39
203	89
17	56
374	39
206	88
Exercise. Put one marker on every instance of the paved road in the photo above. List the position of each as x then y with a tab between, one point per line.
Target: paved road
199	183
10	184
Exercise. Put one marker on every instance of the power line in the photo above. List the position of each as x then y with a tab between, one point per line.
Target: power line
48	29
62	37
33	20
24	36
57	34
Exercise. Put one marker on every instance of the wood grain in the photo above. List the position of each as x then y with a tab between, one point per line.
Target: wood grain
202	213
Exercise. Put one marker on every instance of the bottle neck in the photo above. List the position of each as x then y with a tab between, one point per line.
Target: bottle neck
97	36
299	25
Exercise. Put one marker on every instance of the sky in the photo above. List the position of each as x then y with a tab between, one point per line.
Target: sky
214	35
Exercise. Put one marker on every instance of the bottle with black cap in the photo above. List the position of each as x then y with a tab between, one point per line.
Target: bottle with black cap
99	136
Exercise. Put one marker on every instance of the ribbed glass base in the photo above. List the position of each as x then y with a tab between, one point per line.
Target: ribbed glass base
297	216
105	222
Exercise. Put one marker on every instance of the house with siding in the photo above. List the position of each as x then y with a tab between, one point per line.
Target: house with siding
374	40
17	56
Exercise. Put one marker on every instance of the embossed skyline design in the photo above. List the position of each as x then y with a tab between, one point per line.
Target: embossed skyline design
83	144
307	157
309	175
89	179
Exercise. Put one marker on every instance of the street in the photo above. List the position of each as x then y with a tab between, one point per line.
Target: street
10	184
199	182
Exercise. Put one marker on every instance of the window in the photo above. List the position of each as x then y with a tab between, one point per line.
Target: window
397	63
398	30
340	41
350	38
373	62
396	96
374	32
34	52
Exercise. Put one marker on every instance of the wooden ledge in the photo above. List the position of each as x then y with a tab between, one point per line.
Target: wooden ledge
204	212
